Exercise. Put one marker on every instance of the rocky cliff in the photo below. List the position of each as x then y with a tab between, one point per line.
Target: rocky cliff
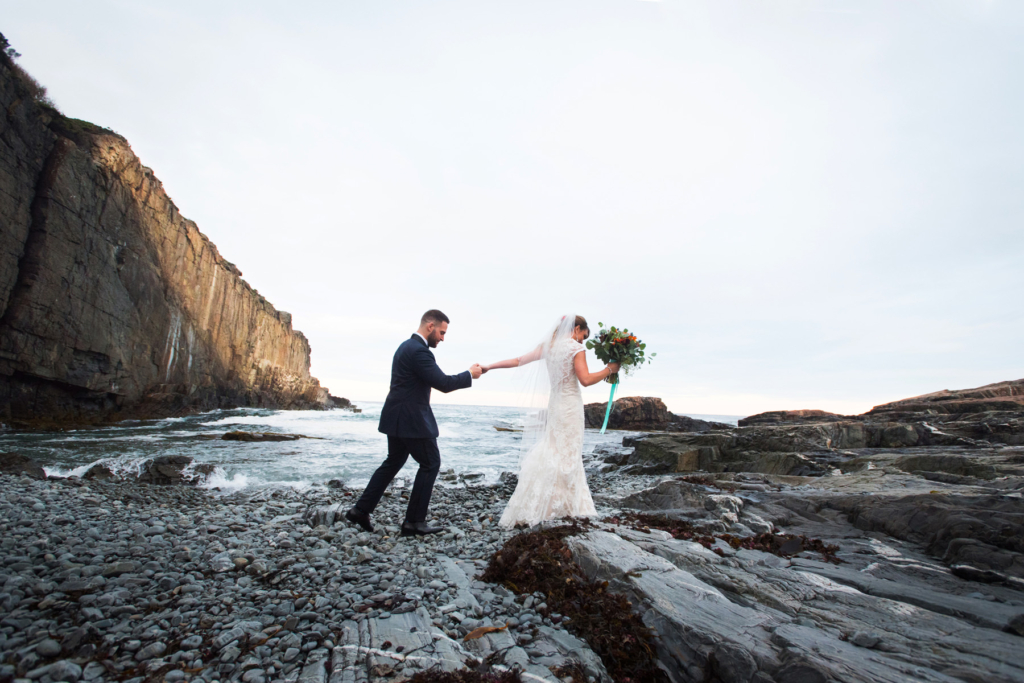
112	304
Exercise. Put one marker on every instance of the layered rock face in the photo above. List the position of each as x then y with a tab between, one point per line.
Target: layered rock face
111	303
884	608
1001	397
920	502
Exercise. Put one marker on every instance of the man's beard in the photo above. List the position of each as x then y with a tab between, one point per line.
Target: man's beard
432	339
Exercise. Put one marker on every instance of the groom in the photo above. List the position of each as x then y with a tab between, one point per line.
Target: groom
409	423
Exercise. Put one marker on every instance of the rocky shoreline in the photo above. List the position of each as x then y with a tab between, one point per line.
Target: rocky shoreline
113	580
786	551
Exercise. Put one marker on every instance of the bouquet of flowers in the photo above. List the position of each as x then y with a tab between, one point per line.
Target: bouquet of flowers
619	346
613	345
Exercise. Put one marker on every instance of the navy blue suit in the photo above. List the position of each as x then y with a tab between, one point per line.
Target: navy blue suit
410	425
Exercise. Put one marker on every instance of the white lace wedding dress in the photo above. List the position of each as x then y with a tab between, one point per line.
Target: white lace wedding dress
552	482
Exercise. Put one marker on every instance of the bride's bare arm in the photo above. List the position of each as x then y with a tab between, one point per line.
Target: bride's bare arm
586	377
515	362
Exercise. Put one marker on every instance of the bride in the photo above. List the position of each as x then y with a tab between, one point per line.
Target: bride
552	482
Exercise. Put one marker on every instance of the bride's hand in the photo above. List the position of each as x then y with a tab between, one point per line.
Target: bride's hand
484	369
612	368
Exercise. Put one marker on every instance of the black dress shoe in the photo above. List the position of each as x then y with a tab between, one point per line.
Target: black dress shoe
357	516
418	529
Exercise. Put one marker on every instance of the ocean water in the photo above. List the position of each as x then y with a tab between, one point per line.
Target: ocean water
346	445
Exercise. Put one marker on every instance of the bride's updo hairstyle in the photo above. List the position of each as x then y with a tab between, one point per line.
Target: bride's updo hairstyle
580	321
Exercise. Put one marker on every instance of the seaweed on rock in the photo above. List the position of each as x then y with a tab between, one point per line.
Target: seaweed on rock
540	561
572	672
783	545
437	675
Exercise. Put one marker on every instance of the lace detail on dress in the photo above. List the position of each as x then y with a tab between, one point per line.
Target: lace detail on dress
552	482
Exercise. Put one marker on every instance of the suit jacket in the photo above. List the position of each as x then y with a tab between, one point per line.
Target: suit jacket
414	372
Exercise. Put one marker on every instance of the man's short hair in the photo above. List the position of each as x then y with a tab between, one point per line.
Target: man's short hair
434	316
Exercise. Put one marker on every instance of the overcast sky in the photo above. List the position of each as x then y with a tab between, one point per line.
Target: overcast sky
796	204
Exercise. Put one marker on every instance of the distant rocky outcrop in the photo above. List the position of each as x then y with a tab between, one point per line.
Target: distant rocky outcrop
112	304
991	398
789	417
645	413
815	442
261	436
940	406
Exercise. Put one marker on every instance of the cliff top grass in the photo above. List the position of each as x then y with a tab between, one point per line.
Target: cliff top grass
74	129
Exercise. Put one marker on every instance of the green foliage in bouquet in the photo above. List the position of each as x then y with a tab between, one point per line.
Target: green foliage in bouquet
613	345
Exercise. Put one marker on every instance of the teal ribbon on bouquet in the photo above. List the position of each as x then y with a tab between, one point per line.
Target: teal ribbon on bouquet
608	411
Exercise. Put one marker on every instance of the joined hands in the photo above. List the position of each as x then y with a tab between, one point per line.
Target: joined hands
475	370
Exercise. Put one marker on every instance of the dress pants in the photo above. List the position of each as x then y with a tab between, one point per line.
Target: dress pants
423	451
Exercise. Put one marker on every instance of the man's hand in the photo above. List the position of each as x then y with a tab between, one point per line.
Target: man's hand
475	370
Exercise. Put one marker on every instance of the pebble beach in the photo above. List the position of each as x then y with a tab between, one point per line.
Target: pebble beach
121	581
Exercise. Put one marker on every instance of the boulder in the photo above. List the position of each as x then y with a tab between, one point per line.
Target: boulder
99	471
13	463
342	403
260	436
676	453
644	414
167	470
636	413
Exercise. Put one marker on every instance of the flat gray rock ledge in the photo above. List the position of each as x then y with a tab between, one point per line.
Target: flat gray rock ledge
748	618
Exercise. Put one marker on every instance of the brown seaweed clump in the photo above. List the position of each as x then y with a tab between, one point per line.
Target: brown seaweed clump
573	671
437	675
783	545
540	561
